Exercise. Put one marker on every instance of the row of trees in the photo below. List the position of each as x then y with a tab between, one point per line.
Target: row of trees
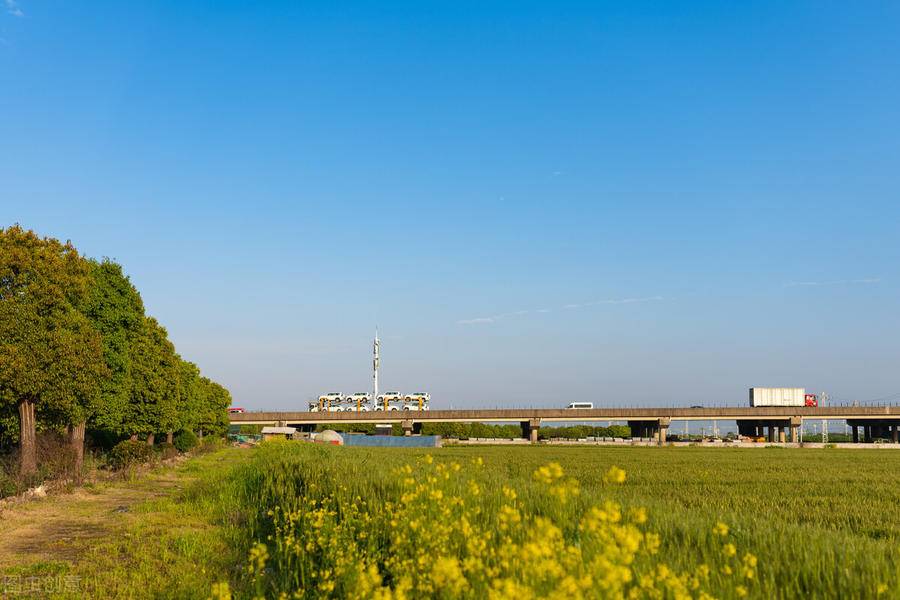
78	352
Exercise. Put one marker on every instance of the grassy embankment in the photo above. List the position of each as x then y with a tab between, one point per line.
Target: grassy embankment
171	532
821	523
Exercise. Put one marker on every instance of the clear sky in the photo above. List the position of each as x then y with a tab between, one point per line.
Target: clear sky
626	202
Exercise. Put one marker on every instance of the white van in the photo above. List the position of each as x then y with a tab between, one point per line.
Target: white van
576	405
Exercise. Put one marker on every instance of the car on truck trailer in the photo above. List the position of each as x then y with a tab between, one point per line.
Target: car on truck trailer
389	397
330	402
768	397
416	401
358	401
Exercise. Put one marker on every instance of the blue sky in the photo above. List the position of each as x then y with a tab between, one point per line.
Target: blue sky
634	203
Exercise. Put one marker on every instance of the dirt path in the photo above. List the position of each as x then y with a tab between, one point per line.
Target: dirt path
60	526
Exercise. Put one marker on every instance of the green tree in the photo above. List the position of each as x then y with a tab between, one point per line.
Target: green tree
116	311
213	409
50	355
154	383
190	399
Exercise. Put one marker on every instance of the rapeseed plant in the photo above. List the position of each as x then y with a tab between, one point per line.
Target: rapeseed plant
439	529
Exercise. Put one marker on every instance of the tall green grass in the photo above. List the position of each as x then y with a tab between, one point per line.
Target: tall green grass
823	523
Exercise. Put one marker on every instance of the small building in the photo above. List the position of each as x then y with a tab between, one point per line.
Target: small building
269	432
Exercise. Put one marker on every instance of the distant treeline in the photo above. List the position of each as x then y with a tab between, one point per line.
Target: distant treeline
78	352
482	430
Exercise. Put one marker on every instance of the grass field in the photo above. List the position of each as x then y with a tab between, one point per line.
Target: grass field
500	521
823	523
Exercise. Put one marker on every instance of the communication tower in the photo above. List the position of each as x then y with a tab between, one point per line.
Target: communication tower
375	363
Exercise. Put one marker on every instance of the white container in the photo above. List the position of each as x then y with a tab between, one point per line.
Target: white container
760	396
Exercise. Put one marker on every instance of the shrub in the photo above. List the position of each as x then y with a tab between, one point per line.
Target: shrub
129	453
185	440
56	457
166	450
209	443
8	485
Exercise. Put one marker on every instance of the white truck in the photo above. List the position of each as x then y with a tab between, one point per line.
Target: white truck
760	397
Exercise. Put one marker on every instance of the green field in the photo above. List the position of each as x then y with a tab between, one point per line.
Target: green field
822	523
313	521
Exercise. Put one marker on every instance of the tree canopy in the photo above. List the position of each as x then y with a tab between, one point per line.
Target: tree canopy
116	311
50	355
77	349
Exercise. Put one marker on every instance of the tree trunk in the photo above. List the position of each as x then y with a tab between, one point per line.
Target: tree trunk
151	438
133	437
170	436
27	444
201	434
76	438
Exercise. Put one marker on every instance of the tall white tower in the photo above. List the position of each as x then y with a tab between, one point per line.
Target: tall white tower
375	363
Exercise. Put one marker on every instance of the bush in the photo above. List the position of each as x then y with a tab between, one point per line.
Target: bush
209	443
8	485
166	450
185	440
129	453
55	455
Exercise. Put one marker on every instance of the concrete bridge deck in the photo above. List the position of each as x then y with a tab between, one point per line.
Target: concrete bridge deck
514	415
875	420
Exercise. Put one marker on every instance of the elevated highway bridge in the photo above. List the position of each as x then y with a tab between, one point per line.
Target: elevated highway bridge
774	422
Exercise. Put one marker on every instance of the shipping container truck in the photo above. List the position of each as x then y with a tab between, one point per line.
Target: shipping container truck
760	396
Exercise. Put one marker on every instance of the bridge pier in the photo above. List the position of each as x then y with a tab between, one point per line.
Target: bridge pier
796	424
530	430
872	429
411	427
771	430
663	430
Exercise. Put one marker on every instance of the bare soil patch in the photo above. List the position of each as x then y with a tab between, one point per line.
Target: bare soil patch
61	526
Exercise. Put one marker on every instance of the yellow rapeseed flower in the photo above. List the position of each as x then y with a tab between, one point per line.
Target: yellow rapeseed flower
447	574
614	475
220	591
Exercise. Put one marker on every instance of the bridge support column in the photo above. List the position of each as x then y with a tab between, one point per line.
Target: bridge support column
771	433
530	430
781	437
663	430
855	431
895	434
796	423
867	433
407	427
